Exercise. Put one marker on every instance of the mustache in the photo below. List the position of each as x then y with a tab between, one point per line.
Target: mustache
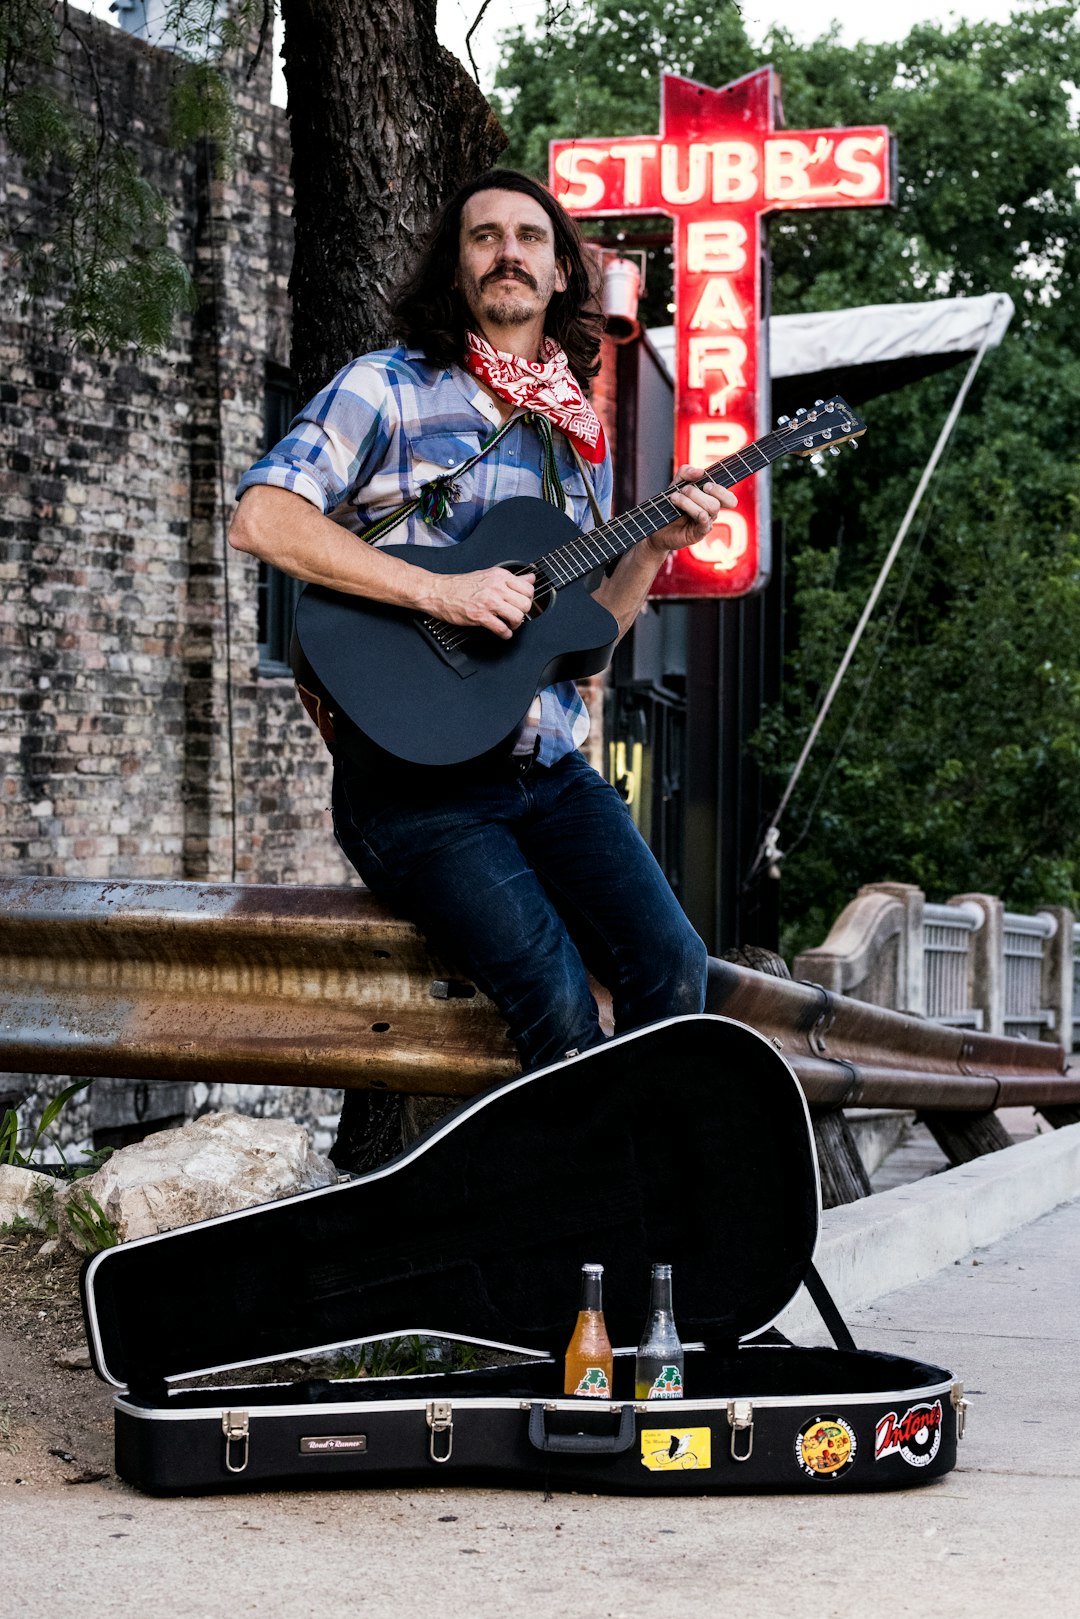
501	271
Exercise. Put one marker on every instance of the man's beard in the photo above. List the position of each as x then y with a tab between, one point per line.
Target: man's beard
498	304
505	311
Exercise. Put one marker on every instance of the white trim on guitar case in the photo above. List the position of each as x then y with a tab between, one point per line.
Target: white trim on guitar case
479	1402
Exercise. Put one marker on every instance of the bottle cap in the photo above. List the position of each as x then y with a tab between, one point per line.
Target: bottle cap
593	1270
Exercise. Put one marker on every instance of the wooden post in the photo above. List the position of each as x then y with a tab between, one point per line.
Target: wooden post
840	1166
964	1136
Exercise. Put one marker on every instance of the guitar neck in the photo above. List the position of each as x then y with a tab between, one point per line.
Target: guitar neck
599	546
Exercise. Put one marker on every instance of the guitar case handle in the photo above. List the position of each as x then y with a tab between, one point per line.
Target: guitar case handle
582	1444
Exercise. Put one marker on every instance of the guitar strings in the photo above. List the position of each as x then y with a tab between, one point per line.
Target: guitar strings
576	558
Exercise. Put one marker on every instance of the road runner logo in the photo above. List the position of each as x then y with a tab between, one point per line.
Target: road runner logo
917	1435
667	1384
332	1444
593	1381
825	1447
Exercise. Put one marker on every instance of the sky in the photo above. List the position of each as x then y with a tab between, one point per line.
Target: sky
804	20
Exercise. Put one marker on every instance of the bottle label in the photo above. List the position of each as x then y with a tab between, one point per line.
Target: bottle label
667	1384
594	1380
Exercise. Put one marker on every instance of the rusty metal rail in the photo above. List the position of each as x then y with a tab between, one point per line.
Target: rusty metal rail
850	1054
219	982
325	986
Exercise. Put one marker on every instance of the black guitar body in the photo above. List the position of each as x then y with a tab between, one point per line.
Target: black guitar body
432	694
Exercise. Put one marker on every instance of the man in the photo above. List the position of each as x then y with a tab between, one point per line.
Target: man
526	867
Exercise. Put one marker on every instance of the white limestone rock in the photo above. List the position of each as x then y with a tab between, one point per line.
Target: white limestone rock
216	1165
25	1195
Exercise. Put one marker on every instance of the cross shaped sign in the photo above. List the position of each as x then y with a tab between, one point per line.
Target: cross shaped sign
719	165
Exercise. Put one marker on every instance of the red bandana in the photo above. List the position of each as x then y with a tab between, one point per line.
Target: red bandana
548	386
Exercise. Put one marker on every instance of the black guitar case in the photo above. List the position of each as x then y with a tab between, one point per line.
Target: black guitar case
688	1142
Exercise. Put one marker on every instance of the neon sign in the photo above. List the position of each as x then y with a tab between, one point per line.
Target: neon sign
718	166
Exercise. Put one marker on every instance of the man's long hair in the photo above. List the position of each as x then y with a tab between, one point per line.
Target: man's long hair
430	314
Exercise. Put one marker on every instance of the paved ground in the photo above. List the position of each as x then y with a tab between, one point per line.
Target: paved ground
919	1154
996	1537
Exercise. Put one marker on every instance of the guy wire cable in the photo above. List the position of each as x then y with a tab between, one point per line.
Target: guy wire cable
868	680
217	273
769	851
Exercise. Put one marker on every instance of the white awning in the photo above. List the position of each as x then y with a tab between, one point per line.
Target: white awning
880	333
890	343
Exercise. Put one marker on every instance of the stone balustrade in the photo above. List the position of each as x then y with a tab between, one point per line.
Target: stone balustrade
968	963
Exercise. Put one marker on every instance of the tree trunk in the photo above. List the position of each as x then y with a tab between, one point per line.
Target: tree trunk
385	125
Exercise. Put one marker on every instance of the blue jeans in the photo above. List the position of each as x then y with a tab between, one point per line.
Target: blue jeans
527	878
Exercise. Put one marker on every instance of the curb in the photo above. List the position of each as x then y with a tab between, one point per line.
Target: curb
888	1241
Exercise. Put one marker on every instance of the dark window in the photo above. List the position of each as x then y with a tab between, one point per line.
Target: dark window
277	592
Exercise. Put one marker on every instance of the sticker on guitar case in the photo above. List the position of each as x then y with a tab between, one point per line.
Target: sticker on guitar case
825	1447
916	1436
676	1450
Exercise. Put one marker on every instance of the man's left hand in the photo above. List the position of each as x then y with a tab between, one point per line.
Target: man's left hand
700	506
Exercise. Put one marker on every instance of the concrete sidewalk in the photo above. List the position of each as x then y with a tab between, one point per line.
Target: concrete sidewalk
995	1537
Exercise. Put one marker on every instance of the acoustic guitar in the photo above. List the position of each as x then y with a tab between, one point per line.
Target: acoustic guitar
437	694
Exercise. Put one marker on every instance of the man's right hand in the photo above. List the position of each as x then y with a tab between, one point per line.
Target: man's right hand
492	599
284	529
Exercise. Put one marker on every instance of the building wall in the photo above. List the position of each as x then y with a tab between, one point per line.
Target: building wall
133	716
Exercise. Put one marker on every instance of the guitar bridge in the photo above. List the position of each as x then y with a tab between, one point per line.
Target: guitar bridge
449	641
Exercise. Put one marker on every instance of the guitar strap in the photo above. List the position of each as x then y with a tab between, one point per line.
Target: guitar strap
434	502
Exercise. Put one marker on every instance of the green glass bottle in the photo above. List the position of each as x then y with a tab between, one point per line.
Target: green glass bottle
658	1368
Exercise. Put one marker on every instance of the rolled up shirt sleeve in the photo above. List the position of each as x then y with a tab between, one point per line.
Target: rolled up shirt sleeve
335	442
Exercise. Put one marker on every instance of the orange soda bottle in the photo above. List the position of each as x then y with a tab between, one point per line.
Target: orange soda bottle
588	1356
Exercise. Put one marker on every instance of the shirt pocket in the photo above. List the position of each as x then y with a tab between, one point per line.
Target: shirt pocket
435	455
574	488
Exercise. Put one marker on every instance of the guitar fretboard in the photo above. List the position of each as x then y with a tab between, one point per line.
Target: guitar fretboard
601	546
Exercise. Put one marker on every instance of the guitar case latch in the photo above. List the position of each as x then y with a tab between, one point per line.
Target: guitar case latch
440	1419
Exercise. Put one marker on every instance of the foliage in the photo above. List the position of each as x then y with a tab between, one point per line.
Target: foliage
9	1127
104	252
952	755
90	1225
411	1356
594	69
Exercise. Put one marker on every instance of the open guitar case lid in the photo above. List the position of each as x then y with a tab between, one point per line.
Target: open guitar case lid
688	1142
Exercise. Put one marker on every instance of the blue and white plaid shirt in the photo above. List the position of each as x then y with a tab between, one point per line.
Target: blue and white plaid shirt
389	423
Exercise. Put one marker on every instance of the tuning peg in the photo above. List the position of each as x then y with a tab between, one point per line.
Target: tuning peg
834	449
782	421
818	403
854	443
799	414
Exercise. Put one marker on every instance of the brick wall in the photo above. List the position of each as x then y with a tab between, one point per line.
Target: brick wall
123	612
124	743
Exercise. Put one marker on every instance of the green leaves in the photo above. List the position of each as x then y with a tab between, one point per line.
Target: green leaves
91	245
952	755
10	1152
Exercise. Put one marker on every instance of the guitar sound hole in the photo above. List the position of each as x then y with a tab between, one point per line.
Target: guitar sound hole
543	589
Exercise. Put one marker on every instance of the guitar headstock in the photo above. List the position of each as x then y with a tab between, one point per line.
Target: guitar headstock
829	424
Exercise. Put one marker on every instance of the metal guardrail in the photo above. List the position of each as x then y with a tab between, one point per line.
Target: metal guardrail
324	986
250	984
848	1053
